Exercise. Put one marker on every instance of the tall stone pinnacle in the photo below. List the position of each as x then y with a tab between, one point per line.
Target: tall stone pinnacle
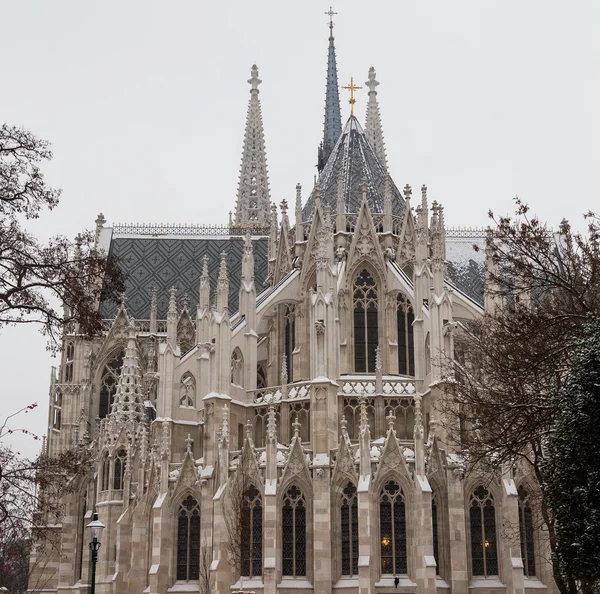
332	128
128	404
253	198
373	128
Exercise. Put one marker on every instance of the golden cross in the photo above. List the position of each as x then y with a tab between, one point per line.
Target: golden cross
351	87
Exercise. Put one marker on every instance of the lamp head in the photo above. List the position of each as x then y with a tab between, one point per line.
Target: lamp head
95	528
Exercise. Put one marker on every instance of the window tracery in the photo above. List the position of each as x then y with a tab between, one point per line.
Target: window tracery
300	411
186	333
293	531
349	517
406	346
366	333
351	411
108	383
120	467
187	390
237	368
105	473
482	518
403	410
526	533
69	356
188	540
392	521
251	533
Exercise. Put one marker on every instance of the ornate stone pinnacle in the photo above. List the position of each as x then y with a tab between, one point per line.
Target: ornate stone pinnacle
391	419
254	81
378	364
225	424
372	84
172	302
284	370
271	424
407	191
249	429
188	444
223	267
205	267
283	206
100	220
364	419
185	301
344	425
296	425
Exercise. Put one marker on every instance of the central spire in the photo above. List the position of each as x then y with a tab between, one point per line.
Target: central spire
332	128
253	199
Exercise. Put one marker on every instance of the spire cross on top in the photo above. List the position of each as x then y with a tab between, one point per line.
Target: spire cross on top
330	14
351	87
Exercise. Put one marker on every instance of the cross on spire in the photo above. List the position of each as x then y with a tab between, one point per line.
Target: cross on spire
330	14
351	87
188	444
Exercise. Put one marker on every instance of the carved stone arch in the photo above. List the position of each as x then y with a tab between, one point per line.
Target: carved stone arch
399	477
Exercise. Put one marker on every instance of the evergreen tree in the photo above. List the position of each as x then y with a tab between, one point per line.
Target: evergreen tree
573	477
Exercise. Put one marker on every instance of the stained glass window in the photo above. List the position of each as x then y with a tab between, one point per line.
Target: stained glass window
108	386
293	533
366	334
349	513
120	464
526	532
482	518
392	522
188	540
251	533
406	346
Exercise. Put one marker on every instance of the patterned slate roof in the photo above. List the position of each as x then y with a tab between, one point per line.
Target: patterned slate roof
354	158
465	264
165	262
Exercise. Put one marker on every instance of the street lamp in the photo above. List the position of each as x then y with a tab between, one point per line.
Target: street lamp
95	528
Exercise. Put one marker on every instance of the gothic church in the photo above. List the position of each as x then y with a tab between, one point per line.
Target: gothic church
302	361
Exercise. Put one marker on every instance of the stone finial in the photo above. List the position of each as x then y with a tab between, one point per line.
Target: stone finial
172	302
249	429
284	370
166	443
271	424
364	419
344	426
283	207
372	83
225	423
223	267
378	365
254	81
100	220
407	191
185	301
363	187
298	199
296	425
205	267
188	444
391	419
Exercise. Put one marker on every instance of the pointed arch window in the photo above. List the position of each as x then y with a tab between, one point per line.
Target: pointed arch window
349	516
108	383
120	467
482	518
69	356
290	339
435	530
237	368
186	333
366	333
252	533
188	540
105	473
392	521
293	533
526	533
187	390
406	345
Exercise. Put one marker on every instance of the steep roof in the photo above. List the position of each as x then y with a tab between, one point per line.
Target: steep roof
165	262
354	159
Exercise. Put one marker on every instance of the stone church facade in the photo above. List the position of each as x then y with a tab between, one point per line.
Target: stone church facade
303	362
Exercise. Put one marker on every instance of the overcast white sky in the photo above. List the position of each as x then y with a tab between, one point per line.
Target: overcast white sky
145	102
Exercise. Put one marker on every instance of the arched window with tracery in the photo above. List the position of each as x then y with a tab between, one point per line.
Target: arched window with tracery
392	521
349	517
293	533
406	345
252	533
105	473
237	368
69	356
482	518
289	339
366	333
187	390
186	333
120	466
108	383
526	533
188	540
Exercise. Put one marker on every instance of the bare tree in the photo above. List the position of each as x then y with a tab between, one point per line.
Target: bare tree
207	580
499	408
33	276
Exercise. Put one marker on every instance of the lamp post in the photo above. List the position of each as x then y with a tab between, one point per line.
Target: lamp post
95	528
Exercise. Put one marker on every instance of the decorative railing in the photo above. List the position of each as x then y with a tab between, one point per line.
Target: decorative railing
154	230
271	394
368	387
139	325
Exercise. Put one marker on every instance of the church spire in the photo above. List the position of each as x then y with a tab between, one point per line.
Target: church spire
373	128
253	199
332	128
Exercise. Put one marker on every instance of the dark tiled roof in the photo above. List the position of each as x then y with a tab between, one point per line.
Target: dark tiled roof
355	159
465	264
167	262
